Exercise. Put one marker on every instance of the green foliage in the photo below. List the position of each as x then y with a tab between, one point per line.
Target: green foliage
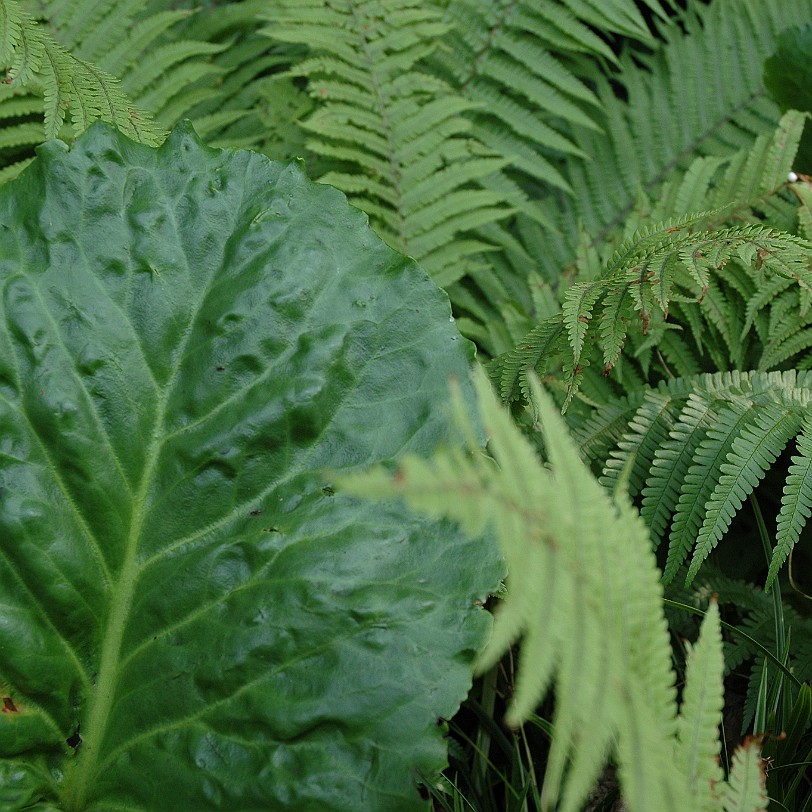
189	337
698	447
748	285
606	199
395	137
584	594
697	92
34	58
199	62
788	73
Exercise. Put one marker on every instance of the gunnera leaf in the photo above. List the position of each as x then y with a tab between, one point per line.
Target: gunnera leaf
191	617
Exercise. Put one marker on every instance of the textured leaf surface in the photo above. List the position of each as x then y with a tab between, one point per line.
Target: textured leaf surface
190	616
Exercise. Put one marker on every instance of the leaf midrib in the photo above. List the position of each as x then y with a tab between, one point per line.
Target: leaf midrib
80	774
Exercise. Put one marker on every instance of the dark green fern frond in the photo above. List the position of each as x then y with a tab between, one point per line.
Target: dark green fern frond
522	91
35	59
647	272
699	93
698	447
246	101
543	350
89	28
755	449
395	135
521	64
669	468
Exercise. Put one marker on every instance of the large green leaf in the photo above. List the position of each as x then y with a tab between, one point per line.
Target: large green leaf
190	617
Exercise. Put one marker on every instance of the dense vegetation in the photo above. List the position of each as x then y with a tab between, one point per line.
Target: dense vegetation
616	198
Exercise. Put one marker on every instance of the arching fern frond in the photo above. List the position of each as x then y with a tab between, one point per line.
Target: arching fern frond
698	447
35	59
753	451
584	594
528	68
395	135
203	62
658	266
702	290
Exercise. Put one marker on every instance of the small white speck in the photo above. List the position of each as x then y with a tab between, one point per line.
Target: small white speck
792	177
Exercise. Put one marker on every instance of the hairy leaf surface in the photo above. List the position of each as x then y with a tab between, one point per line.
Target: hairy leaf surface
191	618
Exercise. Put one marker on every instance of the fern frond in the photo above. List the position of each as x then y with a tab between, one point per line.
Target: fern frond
753	451
561	536
687	100
617	15
584	594
506	58
697	447
647	431
746	789
665	263
395	134
34	58
668	471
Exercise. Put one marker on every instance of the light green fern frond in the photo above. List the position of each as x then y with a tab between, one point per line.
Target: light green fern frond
35	59
584	595
745	789
568	595
658	266
395	135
